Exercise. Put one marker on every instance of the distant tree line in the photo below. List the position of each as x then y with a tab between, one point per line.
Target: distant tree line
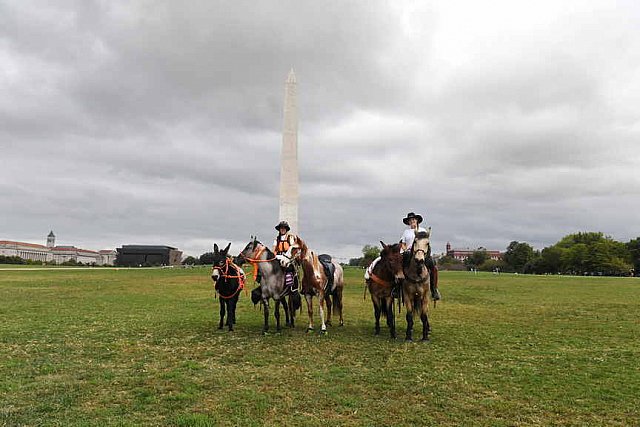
21	261
204	259
588	253
369	253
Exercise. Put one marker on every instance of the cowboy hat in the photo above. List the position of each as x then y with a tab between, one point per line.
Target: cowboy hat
284	224
411	215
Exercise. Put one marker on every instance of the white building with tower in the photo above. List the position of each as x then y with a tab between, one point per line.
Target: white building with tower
57	254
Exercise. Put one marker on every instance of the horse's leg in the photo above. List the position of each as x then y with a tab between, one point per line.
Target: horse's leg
408	304
235	304
291	314
285	308
327	301
323	328
337	301
265	306
231	310
309	299
277	314
409	316
376	313
391	320
222	313
424	316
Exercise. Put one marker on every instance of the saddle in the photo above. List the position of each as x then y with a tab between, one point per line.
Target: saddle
329	270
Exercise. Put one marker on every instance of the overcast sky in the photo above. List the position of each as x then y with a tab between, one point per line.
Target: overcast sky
159	122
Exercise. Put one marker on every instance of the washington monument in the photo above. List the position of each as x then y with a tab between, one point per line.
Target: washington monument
289	156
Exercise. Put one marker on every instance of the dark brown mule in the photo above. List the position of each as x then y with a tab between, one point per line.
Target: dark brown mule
415	288
314	281
380	283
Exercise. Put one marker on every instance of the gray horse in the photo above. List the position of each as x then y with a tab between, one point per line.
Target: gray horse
272	282
415	287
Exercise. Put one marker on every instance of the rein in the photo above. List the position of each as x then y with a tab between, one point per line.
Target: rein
379	281
254	261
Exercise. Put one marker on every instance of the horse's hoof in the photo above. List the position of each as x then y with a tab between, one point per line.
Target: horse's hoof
408	339
310	330
341	324
425	339
328	323
376	333
323	332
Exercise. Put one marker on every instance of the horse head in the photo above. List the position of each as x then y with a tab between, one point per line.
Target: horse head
391	259
421	248
219	261
298	251
248	251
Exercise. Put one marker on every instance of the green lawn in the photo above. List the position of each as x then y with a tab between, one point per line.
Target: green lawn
133	347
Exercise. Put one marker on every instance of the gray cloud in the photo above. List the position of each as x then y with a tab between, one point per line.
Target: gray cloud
132	122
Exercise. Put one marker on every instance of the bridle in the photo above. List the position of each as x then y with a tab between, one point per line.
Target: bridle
414	251
254	260
225	275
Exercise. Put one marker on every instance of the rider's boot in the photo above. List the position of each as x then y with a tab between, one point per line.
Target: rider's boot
433	285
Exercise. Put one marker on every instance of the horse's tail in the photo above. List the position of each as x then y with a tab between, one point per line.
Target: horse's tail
384	310
337	298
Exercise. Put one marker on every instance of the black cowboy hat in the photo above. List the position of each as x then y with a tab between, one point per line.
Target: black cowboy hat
284	224
412	215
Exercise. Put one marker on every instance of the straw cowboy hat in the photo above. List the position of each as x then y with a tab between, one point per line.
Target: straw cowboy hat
411	215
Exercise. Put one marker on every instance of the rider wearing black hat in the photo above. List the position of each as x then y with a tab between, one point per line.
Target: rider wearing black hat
284	242
413	221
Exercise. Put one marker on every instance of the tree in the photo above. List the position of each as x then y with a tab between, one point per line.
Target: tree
189	260
356	262
634	252
518	255
448	262
369	253
206	258
476	259
492	265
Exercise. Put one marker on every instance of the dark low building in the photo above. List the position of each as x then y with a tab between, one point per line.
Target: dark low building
147	255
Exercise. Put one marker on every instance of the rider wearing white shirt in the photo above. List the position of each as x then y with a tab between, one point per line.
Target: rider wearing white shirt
413	221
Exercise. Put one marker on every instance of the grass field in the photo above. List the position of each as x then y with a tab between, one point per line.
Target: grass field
134	347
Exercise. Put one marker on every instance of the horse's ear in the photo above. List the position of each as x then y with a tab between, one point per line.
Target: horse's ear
383	245
225	250
429	232
215	248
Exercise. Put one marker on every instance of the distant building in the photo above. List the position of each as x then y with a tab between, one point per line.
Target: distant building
462	254
53	253
147	255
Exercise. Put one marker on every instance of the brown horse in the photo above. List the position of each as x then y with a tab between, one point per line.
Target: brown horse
314	283
415	288
380	284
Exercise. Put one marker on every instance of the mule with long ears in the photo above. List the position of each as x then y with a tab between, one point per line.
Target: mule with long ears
415	287
229	281
272	284
380	284
314	283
